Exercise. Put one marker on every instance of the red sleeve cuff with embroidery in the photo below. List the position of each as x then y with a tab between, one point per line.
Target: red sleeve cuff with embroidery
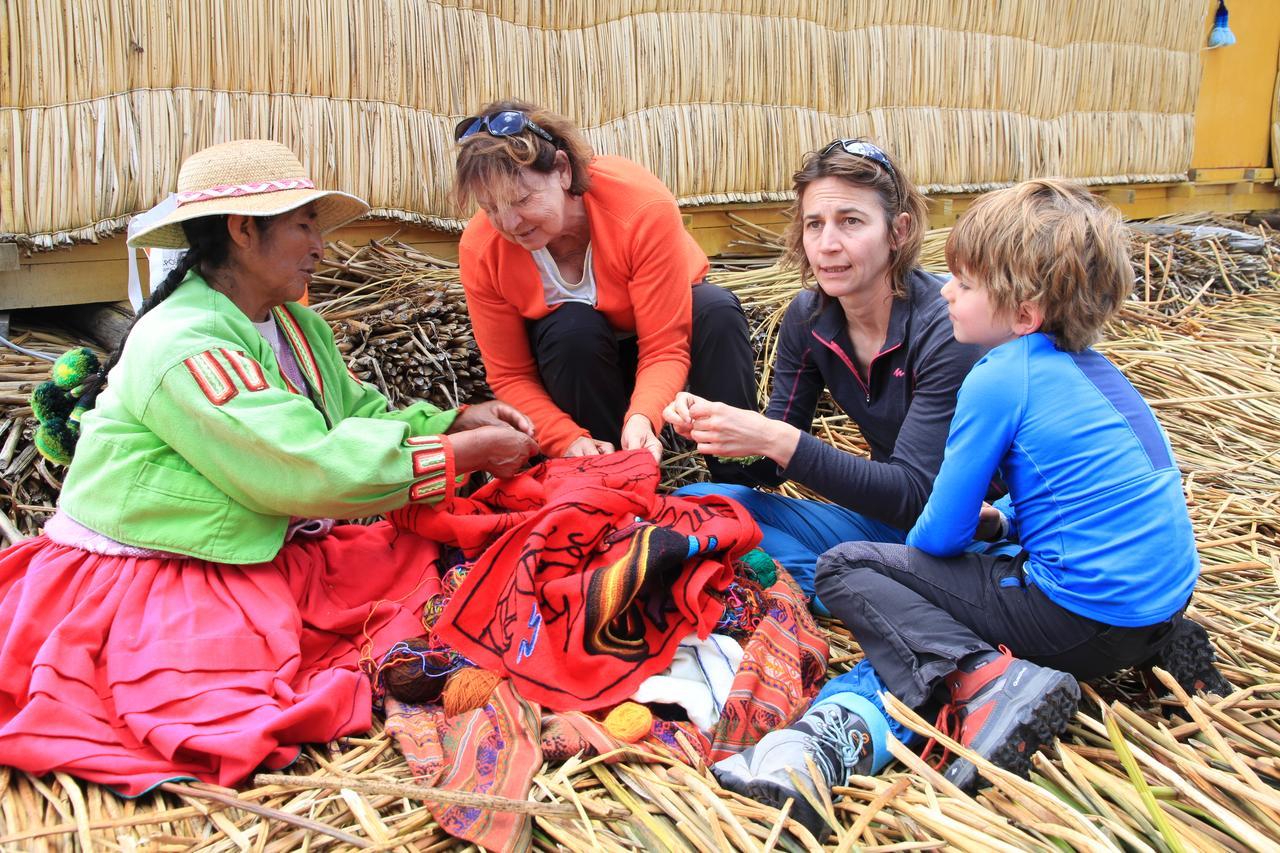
433	470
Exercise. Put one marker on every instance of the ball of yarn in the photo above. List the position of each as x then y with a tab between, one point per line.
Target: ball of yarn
406	673
468	689
74	366
760	567
629	722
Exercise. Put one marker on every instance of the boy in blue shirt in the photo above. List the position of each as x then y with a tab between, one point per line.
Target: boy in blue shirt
1108	558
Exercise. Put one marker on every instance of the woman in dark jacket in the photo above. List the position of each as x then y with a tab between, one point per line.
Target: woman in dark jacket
872	329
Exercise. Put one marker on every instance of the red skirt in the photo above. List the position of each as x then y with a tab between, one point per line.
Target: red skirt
133	671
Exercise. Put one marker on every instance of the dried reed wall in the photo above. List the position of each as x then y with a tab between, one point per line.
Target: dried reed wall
103	98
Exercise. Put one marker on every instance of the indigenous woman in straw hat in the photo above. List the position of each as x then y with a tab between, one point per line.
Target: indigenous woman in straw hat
871	328
586	293
191	610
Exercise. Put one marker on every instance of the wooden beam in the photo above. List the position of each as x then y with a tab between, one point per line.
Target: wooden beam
8	257
1231	175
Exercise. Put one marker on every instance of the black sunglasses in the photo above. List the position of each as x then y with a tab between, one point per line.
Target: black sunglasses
865	150
505	123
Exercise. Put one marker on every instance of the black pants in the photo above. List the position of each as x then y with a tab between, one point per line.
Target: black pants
590	373
916	615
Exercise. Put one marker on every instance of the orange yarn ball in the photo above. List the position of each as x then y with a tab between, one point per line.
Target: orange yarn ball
629	722
468	689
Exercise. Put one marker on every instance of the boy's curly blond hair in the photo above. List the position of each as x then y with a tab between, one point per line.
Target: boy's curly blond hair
1050	242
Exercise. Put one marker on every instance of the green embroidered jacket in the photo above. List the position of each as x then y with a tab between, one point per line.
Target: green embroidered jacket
199	445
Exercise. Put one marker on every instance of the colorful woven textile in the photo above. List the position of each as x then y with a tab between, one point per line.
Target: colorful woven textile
783	666
498	748
584	579
492	750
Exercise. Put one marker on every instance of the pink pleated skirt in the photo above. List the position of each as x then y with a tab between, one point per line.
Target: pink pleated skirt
132	671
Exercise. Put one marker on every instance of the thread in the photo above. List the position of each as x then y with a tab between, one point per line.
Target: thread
413	671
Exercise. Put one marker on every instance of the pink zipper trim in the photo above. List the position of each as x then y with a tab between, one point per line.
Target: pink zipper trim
866	391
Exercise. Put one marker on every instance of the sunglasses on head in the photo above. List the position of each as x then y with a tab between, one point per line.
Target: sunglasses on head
505	123
859	148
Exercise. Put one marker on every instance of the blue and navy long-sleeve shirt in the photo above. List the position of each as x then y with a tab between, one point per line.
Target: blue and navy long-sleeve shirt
1094	494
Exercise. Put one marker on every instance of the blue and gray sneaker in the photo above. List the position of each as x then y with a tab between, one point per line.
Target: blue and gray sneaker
834	738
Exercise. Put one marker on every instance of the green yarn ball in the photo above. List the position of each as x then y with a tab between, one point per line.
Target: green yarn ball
73	367
50	403
760	567
56	440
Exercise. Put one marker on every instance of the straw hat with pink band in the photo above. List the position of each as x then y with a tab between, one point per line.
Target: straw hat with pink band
252	177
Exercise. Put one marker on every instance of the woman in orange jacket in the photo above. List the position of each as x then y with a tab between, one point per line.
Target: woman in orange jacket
587	296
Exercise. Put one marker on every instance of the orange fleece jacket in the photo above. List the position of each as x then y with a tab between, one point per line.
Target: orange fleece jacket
645	264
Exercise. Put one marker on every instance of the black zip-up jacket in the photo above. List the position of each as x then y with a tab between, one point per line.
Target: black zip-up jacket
903	409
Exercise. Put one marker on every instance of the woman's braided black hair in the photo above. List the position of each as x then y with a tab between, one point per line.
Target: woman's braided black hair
209	244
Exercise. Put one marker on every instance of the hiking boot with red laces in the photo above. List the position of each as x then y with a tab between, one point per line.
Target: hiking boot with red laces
1004	710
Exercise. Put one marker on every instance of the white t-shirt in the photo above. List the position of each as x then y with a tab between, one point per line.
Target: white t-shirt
556	289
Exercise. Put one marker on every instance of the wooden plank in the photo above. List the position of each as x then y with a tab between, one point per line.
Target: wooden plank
1237	87
1231	175
41	285
8	257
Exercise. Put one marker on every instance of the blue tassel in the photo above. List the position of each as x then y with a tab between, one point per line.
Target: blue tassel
1221	35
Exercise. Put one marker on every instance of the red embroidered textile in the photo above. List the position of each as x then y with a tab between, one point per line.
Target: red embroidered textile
585	579
783	666
131	671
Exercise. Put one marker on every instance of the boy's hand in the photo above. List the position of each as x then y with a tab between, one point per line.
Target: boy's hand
992	525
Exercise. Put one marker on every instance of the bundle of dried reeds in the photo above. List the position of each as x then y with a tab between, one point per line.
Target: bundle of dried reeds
103	100
400	319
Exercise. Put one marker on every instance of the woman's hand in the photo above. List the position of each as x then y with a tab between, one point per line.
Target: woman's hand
677	412
500	450
723	430
587	446
492	413
637	433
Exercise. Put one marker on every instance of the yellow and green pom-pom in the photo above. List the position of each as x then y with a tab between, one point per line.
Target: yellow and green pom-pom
56	440
73	367
51	403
